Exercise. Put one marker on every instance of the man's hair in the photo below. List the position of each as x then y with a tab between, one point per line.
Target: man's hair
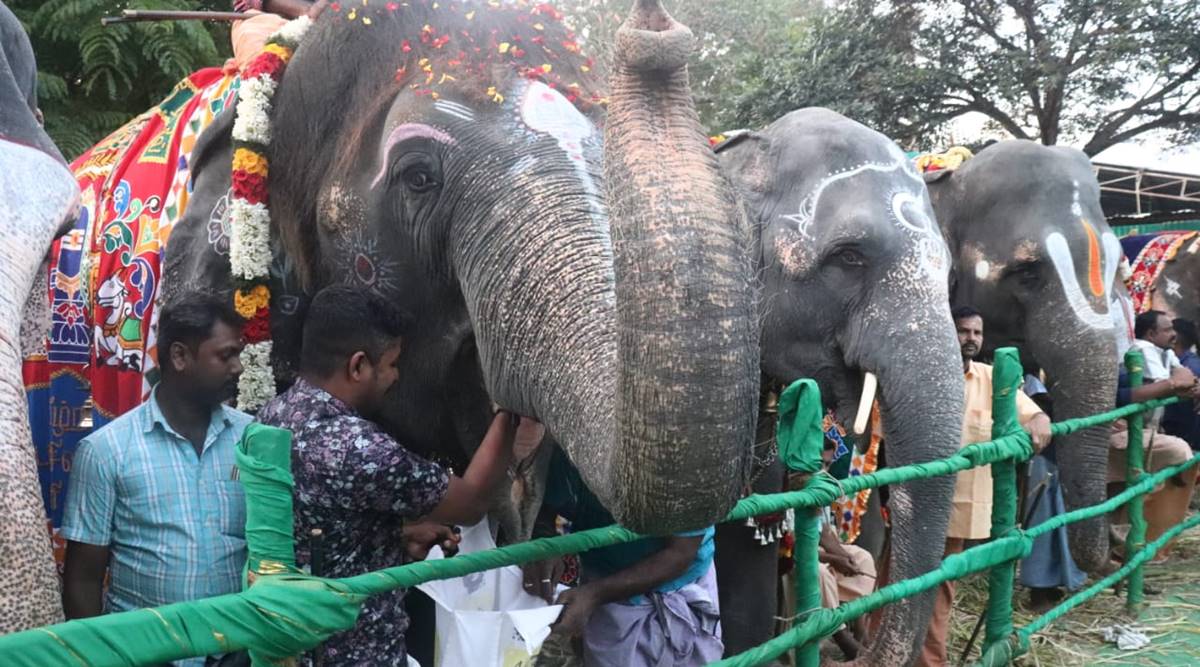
963	312
344	320
190	320
1185	332
1146	322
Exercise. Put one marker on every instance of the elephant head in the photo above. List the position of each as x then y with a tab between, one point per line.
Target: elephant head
454	163
38	198
854	274
1033	253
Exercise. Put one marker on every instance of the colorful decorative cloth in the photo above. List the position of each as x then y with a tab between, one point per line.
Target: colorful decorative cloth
99	360
847	512
358	485
1152	252
950	160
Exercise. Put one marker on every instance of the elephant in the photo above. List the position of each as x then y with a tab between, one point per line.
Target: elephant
1165	273
38	201
1033	253
854	273
452	164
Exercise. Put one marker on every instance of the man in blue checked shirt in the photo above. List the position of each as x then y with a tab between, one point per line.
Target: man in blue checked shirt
152	496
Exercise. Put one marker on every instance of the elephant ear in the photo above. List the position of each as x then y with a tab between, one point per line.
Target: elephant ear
744	159
937	176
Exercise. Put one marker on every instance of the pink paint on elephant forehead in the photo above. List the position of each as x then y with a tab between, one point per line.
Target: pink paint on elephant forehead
404	132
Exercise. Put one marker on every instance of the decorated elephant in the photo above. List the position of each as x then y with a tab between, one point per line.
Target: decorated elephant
38	200
1165	273
449	159
854	272
1033	253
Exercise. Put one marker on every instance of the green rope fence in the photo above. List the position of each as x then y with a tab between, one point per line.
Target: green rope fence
285	614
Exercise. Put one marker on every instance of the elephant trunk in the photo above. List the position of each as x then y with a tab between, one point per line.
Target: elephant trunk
686	305
1081	387
921	407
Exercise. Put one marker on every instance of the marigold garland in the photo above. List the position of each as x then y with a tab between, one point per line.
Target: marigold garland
250	220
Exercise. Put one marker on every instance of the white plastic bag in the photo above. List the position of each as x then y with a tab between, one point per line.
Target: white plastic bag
486	619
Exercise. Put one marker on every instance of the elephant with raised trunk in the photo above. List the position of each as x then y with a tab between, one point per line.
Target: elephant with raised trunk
38	199
598	283
854	272
1033	253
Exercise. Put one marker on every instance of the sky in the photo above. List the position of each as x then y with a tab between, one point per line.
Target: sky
1151	150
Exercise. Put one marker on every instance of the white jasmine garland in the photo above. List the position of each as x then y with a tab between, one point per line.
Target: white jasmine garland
256	385
250	242
250	247
293	31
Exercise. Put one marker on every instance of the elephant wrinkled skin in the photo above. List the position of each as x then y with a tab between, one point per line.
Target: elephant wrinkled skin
615	303
1033	253
38	198
854	274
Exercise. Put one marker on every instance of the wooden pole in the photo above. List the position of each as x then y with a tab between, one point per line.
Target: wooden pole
133	15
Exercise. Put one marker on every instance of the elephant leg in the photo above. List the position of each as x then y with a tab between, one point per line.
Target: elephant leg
747	577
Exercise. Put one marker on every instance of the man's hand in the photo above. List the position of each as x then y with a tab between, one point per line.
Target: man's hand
1183	382
840	562
542	577
420	537
580	603
1038	429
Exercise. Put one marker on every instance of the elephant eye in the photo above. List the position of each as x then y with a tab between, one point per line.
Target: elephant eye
850	257
418	178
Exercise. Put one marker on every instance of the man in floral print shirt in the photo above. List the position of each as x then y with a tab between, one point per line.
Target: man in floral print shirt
353	480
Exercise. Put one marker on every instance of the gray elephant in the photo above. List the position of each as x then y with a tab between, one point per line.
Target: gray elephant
457	178
38	200
854	274
1033	253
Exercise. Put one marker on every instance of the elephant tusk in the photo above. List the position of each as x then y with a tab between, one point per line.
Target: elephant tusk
870	384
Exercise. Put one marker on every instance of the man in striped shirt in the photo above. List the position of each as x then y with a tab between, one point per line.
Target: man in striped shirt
152	498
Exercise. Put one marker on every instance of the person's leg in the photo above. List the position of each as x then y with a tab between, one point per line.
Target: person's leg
933	652
1168	505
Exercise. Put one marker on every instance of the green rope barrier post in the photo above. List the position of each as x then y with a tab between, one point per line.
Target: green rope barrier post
1006	382
1134	471
800	443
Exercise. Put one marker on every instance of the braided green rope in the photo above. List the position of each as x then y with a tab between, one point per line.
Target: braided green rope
1003	653
286	614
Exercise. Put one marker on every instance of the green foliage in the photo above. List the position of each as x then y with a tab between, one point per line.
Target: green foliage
92	79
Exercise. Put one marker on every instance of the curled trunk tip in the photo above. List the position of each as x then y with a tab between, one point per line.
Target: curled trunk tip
651	40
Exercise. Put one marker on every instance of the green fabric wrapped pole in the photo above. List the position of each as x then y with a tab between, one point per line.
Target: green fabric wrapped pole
1006	382
1134	471
264	460
800	443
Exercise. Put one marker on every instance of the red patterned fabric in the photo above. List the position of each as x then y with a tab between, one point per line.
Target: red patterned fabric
1149	263
104	274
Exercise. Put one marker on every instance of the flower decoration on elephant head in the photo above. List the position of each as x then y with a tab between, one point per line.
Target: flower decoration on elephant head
250	220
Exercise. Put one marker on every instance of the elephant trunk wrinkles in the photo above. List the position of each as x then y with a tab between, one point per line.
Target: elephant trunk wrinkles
687	383
1081	387
921	407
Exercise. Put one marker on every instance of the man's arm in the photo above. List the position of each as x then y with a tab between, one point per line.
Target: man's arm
1181	383
1034	421
83	579
87	527
468	498
640	578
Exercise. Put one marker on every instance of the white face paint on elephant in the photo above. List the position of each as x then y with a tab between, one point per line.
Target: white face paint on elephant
1064	265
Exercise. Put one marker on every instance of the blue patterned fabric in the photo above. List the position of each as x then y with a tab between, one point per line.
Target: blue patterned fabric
174	521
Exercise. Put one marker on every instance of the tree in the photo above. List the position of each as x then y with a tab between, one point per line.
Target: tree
725	30
1091	72
92	79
